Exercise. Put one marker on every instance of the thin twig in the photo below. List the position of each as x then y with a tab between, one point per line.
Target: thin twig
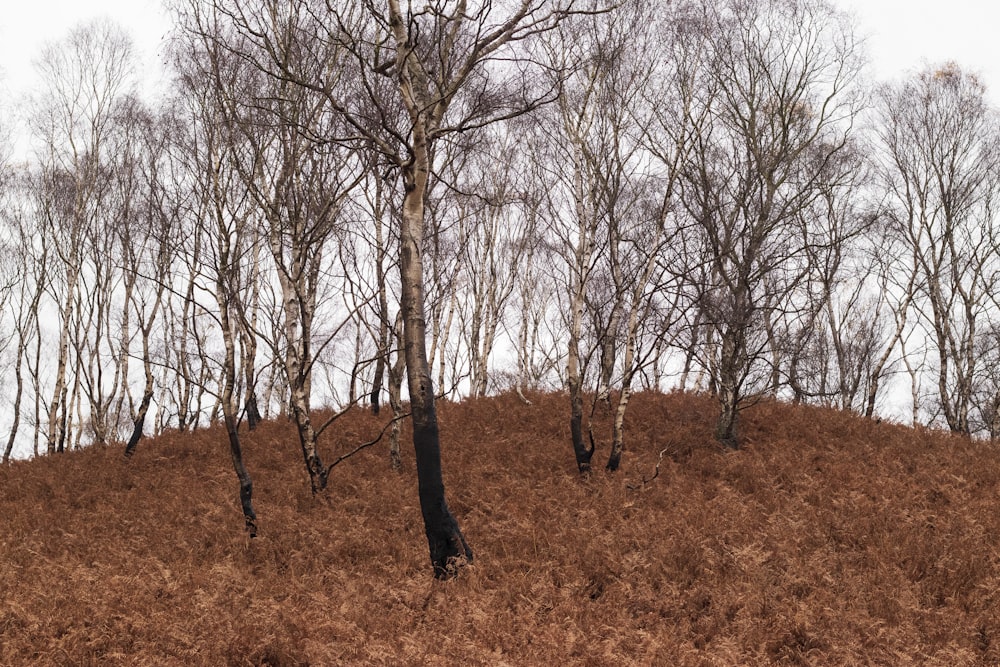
368	444
656	472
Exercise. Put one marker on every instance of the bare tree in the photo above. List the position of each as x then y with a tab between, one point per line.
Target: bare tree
539	354
440	63
13	288
941	139
29	264
830	348
147	237
86	76
451	69
572	151
986	394
491	223
296	177
780	111
651	109
220	218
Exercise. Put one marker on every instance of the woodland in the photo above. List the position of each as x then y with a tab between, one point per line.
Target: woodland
827	539
343	210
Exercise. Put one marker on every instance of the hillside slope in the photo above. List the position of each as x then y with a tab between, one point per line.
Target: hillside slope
829	539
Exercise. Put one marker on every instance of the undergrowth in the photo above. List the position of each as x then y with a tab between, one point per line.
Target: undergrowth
828	539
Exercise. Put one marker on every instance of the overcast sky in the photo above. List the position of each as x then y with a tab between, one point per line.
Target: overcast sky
902	34
27	25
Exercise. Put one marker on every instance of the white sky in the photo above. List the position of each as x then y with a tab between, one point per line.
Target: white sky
27	25
902	34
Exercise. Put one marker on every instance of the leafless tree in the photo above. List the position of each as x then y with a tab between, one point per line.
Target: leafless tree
490	221
85	77
653	113
780	111
421	74
220	219
26	260
940	140
572	149
147	236
297	178
829	350
13	287
443	59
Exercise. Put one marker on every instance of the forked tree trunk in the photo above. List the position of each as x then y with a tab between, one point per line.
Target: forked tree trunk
583	252
629	370
57	406
297	324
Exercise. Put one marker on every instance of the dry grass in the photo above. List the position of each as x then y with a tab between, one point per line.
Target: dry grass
828	540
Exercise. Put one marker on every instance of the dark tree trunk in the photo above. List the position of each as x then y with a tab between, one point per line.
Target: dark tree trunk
448	547
133	440
583	453
376	394
246	484
614	459
63	426
444	538
727	427
252	410
140	420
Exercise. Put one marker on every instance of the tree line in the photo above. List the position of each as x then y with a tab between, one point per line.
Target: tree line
333	197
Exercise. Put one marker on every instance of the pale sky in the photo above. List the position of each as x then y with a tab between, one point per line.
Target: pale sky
902	34
27	25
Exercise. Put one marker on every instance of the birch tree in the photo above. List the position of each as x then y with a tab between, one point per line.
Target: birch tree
295	177
940	138
219	218
147	235
423	73
85	77
780	111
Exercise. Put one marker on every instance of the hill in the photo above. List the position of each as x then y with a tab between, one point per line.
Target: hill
829	539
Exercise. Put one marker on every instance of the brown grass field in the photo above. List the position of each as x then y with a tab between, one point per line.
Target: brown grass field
828	540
